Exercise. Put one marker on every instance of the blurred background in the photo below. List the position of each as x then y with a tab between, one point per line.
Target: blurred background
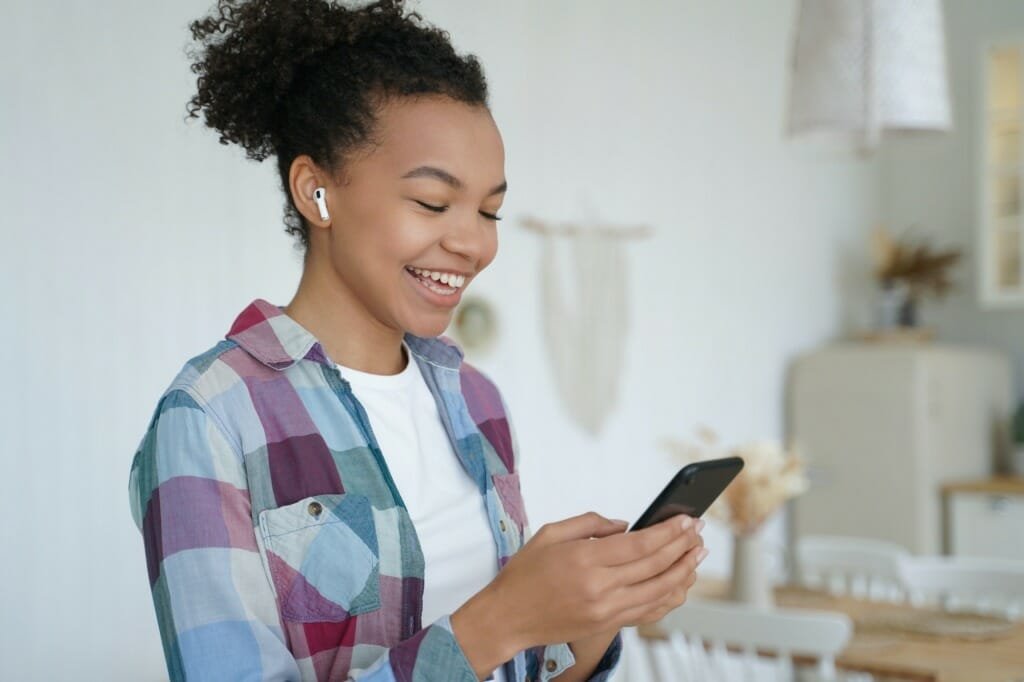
754	303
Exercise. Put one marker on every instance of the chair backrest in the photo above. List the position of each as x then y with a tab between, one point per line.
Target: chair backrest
765	641
859	567
966	583
635	664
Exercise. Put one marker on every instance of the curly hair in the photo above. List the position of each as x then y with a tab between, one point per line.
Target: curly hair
291	77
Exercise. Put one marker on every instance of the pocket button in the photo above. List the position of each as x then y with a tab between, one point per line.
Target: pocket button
315	509
501	524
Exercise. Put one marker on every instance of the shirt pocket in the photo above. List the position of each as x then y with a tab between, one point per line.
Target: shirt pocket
513	520
322	556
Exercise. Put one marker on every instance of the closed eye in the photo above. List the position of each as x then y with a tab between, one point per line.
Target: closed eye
442	209
436	209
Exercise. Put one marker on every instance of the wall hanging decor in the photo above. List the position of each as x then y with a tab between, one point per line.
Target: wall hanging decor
475	325
585	328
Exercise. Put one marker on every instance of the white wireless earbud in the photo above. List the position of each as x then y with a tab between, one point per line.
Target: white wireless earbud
320	197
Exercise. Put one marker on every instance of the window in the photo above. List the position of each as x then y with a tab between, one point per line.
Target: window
1002	223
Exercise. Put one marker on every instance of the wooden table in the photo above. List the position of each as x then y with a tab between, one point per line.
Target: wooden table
896	655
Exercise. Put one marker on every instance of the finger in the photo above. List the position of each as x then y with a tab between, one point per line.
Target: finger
627	547
651	613
677	597
645	569
654	589
654	564
639	614
622	549
582	526
632	602
614	527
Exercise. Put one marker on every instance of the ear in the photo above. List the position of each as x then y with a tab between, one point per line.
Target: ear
304	176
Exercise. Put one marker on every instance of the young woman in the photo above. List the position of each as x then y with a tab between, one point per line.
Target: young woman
331	492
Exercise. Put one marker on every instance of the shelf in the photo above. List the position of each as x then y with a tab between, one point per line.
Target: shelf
997	485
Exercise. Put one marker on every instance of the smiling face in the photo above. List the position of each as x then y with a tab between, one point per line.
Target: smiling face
412	218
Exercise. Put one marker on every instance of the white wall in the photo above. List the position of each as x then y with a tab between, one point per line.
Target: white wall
931	182
154	236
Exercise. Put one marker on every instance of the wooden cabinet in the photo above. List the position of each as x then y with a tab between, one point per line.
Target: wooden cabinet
984	518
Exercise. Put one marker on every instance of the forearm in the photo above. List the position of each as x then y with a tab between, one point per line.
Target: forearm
484	637
588	653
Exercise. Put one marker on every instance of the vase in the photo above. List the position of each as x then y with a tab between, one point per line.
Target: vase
908	312
897	307
750	580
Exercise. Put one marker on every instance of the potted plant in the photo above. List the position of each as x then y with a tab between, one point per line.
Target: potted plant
771	475
907	270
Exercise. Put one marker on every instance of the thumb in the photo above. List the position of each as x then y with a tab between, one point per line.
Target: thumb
587	525
611	527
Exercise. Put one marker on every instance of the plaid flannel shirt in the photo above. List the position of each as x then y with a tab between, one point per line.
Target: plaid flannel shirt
278	546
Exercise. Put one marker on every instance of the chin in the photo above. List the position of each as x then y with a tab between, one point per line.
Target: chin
429	327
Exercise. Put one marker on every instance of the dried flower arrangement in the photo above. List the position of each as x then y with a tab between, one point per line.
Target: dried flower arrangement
913	262
770	476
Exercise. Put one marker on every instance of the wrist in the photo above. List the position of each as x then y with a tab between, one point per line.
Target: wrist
486	638
588	653
597	641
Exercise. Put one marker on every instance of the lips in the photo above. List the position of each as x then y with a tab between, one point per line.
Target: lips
433	291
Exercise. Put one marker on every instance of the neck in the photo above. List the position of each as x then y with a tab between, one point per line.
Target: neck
348	332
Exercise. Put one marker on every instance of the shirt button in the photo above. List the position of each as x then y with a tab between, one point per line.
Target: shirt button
315	508
501	524
551	665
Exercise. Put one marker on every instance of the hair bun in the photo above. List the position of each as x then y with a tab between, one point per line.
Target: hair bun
249	53
287	78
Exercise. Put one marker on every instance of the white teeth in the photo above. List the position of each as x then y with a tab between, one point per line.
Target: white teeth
451	279
438	289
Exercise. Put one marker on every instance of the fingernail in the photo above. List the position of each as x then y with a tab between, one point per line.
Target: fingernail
700	525
686	522
703	554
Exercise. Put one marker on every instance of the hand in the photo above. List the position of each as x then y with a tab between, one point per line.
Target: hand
583	576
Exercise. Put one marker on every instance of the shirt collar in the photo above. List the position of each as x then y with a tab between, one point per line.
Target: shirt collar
264	331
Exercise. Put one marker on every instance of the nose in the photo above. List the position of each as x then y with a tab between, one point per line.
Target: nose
471	237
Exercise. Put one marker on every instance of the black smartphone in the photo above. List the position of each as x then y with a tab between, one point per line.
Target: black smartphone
691	491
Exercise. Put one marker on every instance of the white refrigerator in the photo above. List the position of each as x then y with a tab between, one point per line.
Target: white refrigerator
882	427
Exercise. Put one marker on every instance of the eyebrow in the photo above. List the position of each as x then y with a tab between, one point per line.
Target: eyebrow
447	178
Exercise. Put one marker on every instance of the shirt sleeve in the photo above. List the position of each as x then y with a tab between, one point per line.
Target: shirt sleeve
215	606
545	662
215	609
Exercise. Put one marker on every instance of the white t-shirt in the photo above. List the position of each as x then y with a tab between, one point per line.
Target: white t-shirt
446	508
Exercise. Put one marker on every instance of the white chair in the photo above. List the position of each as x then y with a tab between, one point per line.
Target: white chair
635	663
966	583
858	567
725	642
